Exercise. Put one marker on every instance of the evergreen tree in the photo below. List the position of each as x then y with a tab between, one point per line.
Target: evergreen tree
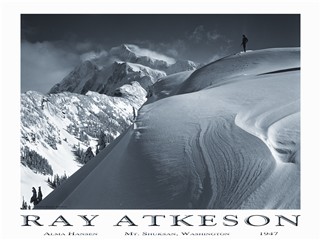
79	154
83	156
35	162
97	149
24	204
57	180
102	140
88	155
34	198
39	195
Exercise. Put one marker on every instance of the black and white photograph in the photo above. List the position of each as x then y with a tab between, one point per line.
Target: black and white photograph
137	120
162	111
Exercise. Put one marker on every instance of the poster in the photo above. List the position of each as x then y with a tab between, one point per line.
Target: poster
130	212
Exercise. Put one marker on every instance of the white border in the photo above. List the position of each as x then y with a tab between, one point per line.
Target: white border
10	114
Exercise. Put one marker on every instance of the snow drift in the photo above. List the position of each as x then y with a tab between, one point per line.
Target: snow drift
225	137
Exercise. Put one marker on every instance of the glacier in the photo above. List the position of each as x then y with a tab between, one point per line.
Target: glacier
225	136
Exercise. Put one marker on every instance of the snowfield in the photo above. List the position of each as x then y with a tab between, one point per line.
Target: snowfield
226	136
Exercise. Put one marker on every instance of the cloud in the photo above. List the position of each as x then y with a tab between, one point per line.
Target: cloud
83	46
93	54
213	36
196	45
147	52
174	49
200	34
43	64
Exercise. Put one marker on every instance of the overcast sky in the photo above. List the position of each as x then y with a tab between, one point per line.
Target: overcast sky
52	45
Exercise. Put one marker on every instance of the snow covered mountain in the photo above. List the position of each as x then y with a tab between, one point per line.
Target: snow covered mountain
226	136
88	109
122	65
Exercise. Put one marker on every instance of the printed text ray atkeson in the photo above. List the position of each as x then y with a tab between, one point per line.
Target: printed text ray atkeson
230	220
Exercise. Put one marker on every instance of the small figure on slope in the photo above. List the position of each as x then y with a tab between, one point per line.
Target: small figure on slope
244	42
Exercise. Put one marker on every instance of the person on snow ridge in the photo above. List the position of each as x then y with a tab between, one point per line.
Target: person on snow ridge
244	42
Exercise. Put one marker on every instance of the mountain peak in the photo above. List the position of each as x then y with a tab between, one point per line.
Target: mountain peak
123	52
103	70
125	46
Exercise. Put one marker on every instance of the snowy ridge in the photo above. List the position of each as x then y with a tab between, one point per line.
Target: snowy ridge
239	66
230	139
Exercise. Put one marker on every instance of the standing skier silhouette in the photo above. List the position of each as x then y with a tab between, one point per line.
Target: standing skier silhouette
244	42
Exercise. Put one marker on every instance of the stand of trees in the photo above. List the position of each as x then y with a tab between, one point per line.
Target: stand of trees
57	180
83	156
24	205
35	199
103	141
35	162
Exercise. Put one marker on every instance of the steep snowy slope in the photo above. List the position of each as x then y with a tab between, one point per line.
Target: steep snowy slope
56	125
230	139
